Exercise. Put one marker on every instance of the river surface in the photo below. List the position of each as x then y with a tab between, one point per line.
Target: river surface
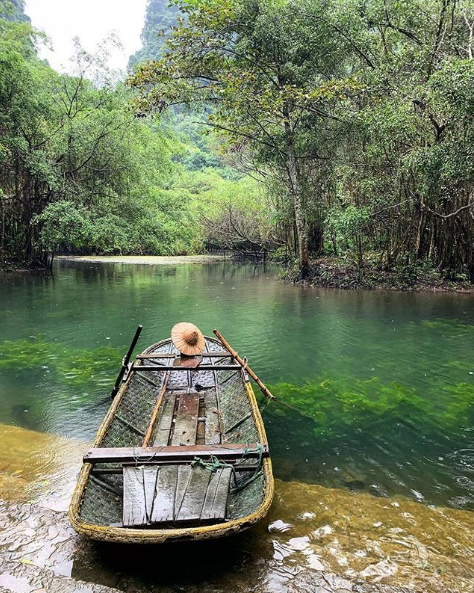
381	386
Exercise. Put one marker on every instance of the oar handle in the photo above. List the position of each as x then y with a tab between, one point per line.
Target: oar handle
244	365
126	360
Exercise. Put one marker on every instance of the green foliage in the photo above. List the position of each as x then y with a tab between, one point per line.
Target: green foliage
354	119
340	107
64	221
348	225
80	172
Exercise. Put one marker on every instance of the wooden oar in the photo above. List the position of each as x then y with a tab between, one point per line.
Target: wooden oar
264	389
243	364
126	361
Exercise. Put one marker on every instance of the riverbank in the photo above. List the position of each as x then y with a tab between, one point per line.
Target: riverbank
327	272
324	539
150	260
42	554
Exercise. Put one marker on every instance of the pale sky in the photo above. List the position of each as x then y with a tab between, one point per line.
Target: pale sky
91	21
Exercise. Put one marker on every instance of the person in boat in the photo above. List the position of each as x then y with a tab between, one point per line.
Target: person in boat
189	340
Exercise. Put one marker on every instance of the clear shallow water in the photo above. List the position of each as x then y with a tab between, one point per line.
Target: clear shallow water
384	381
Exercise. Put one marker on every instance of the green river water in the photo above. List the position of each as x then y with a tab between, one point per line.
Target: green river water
384	380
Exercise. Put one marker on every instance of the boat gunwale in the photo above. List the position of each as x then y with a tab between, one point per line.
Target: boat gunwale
152	535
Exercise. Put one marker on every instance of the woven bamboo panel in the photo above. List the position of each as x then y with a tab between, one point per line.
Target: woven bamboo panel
134	411
102	497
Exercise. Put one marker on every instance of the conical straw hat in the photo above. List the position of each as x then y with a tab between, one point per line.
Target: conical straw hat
188	339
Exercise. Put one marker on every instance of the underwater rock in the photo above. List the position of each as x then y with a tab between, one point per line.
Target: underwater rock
354	485
377	490
16	578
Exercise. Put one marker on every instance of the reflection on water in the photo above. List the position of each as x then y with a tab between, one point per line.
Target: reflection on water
311	534
384	382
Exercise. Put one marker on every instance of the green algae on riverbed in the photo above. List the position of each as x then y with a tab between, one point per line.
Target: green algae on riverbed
310	531
75	366
336	404
333	403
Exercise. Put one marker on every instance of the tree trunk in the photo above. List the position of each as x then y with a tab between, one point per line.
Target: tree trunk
301	227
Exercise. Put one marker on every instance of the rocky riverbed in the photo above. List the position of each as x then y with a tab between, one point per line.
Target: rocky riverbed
315	539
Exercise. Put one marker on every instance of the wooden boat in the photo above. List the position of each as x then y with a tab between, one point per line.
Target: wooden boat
180	455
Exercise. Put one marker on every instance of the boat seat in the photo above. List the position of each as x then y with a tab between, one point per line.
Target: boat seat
172	494
226	451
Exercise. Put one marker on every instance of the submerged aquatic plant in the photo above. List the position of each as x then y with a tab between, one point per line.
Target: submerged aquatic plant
77	366
336	405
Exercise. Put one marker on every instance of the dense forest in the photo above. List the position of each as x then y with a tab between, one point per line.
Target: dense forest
80	172
341	129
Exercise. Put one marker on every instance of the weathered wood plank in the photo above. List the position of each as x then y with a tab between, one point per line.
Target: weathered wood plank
184	476
164	501
215	502
149	486
186	420
227	451
193	500
106	471
172	493
156	411
165	420
213	435
134	505
201	427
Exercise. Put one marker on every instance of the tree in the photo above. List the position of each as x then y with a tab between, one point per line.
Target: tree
268	70
413	130
71	149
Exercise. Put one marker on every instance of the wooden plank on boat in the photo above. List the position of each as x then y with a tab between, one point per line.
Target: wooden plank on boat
227	451
164	501
156	410
149	485
223	354
201	427
172	493
184	476
134	503
202	367
213	435
108	471
165	419
215	502
193	499
185	427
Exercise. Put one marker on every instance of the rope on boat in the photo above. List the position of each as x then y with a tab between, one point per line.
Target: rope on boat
216	464
212	465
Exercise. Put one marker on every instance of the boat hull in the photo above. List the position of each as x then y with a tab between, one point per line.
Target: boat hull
155	534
